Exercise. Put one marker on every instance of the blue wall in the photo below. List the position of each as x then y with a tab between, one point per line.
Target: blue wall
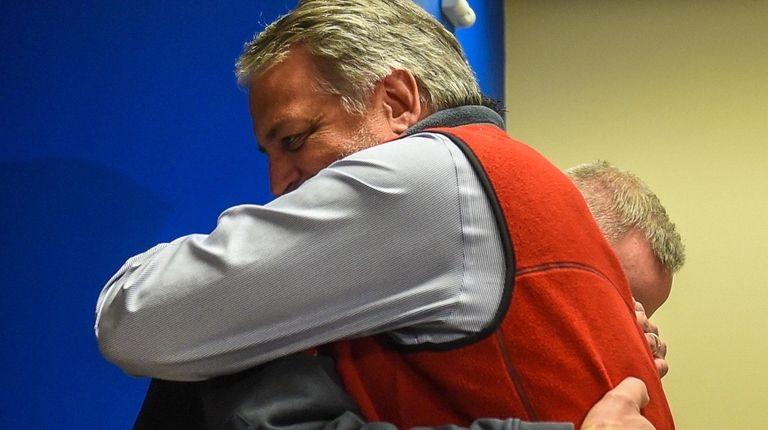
483	43
120	126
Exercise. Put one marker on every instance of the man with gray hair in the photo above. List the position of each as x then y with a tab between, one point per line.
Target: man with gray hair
637	226
403	209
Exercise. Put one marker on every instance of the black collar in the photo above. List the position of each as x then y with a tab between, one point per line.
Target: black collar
457	116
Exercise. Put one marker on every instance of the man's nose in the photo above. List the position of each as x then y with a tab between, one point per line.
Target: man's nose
284	177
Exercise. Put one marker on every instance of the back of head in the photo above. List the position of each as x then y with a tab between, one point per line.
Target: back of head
358	42
620	201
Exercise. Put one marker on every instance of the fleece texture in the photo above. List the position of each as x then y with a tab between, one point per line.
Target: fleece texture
565	333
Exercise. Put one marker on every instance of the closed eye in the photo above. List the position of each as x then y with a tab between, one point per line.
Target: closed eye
296	141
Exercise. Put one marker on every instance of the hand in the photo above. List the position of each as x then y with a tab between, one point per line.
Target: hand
620	408
658	347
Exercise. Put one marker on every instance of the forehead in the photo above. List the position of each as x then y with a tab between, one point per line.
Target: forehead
285	91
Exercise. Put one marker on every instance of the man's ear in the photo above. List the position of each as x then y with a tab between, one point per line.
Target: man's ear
398	95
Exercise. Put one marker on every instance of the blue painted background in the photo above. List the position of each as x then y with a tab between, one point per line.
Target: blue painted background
121	126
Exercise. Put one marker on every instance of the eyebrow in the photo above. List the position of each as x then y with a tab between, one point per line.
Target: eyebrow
275	128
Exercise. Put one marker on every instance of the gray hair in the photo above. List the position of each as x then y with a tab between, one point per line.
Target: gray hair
356	43
620	201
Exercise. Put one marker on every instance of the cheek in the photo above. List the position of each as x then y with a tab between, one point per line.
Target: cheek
316	155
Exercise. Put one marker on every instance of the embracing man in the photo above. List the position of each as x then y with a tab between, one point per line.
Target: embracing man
453	272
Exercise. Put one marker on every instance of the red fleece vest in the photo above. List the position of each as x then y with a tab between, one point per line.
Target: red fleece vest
566	330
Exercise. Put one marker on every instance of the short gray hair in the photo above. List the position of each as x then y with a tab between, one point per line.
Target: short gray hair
356	43
620	201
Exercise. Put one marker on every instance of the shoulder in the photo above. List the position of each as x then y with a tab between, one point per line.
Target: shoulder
408	176
410	149
425	160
